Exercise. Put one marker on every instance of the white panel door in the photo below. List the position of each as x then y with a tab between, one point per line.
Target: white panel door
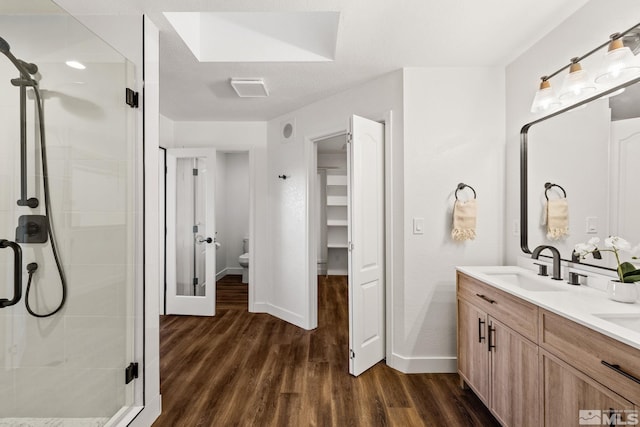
366	249
191	261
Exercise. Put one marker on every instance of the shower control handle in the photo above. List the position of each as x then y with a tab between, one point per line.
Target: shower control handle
17	273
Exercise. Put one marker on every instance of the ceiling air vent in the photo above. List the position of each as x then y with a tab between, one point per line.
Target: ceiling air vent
250	88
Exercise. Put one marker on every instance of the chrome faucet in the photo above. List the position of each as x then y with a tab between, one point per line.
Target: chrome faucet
556	259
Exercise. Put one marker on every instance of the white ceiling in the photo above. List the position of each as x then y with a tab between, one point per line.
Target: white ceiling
374	37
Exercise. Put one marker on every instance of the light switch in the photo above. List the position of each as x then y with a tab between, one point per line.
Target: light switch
418	225
592	225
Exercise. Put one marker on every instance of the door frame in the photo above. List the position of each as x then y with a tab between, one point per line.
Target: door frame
221	148
311	288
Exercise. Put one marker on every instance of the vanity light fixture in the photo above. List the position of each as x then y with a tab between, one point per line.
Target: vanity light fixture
577	83
619	62
620	65
545	98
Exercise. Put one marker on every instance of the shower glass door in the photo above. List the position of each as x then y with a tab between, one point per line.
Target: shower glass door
65	343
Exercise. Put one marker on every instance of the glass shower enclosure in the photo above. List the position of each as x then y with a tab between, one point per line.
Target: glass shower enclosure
70	242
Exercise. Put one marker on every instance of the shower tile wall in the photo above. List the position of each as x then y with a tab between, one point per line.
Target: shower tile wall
72	364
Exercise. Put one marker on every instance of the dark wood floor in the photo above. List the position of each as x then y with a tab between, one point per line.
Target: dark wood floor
247	369
231	293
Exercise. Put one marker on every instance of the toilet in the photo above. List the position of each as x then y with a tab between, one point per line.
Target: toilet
243	260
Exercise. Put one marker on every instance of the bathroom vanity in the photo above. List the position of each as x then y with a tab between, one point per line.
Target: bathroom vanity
540	352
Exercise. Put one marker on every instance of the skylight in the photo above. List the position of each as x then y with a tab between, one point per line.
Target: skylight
258	36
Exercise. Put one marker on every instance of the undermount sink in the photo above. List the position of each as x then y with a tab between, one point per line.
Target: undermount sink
527	281
628	321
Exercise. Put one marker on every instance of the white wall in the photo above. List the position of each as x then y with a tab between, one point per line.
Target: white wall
587	28
292	272
237	206
453	132
241	136
444	131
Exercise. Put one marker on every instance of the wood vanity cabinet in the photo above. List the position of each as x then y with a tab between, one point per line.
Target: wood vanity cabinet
495	359
568	391
532	367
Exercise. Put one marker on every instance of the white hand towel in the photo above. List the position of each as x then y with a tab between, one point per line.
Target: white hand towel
557	219
464	220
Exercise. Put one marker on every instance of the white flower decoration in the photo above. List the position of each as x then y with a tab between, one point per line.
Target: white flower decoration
618	243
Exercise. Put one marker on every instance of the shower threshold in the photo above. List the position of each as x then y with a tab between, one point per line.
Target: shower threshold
53	422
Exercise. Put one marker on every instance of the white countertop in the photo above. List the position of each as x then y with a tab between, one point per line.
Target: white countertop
578	303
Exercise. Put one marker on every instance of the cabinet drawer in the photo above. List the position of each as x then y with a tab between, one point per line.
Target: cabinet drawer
520	315
586	350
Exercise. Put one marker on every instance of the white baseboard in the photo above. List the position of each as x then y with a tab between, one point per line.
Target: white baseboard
423	365
228	270
286	315
260	307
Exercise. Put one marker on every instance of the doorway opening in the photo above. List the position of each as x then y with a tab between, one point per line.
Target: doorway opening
332	206
233	258
353	243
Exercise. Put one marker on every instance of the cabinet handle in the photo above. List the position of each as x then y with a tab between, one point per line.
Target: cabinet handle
621	372
491	343
480	324
489	300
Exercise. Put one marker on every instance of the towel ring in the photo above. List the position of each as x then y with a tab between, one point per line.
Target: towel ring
462	186
548	186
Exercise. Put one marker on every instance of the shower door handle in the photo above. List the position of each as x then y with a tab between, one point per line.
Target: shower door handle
17	273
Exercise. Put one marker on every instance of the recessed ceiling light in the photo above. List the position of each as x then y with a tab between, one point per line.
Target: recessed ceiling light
249	88
75	64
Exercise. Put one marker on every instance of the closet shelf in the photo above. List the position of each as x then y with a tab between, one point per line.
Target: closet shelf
336	200
337	222
340	180
337	245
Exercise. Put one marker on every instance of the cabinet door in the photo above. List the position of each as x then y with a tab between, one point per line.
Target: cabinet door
514	380
572	398
473	354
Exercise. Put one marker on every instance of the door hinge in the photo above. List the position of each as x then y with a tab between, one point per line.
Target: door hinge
195	172
352	354
131	98
349	138
195	281
130	372
350	246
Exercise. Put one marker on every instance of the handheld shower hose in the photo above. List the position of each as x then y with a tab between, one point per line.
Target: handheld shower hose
25	70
